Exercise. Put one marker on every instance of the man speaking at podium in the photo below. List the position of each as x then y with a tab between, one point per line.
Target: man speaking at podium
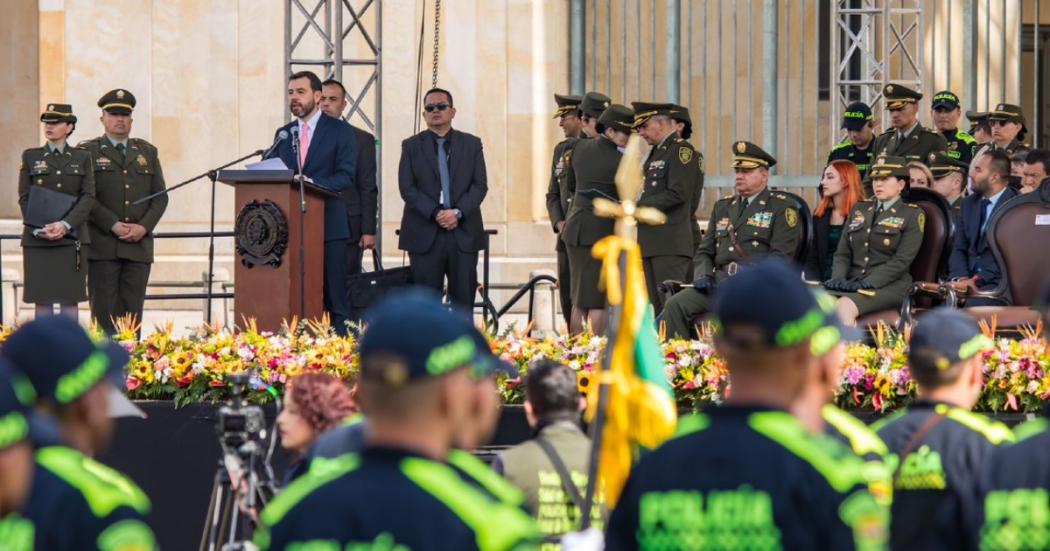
322	149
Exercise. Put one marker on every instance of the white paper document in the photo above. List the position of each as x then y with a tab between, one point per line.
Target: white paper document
269	164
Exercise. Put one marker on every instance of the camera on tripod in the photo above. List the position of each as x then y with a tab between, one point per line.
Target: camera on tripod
239	423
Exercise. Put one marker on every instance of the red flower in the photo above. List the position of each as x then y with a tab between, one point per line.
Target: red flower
215	383
132	383
184	381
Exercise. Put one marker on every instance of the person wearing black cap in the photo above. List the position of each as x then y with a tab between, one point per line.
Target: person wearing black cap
121	253
1036	169
559	195
73	381
870	272
860	133
907	138
949	179
60	176
946	114
400	492
592	106
939	444
749	463
748	226
684	125
672	175
972	266
980	128
592	174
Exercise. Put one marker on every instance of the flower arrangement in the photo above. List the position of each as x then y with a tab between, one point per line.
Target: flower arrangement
197	367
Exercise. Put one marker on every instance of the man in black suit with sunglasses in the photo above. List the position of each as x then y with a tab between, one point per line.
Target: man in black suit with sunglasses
442	181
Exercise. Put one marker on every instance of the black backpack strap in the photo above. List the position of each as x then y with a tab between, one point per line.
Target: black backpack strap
916	440
563	472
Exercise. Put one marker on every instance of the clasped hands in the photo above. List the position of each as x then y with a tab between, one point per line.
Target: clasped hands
130	233
844	285
53	231
447	219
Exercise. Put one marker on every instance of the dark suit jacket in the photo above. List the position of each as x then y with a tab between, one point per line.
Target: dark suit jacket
821	250
971	254
362	198
417	177
330	163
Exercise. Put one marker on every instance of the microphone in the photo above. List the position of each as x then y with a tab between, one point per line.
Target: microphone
281	136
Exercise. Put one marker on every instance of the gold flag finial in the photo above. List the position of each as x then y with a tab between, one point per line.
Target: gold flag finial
629	183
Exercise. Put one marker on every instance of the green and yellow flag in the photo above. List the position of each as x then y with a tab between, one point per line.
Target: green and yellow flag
640	410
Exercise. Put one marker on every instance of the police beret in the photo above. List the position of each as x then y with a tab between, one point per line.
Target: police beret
58	112
886	166
118	102
942	165
644	111
856	116
1007	112
898	96
945	98
749	155
618	117
594	103
566	104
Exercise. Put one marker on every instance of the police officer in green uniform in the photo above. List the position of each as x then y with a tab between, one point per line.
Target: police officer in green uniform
75	502
592	173
551	468
870	272
907	138
400	492
980	129
559	196
684	126
748	474
1007	123
121	253
939	446
949	178
672	175
946	114
858	122
52	249
748	226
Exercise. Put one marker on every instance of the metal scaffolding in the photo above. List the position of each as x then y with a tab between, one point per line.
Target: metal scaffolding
873	43
342	39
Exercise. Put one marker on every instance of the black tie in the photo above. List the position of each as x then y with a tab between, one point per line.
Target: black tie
120	150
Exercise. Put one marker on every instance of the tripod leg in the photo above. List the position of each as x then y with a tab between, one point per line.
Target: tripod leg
211	518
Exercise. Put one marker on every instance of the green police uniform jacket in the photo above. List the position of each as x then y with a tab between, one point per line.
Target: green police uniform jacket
768	225
559	192
1011	148
120	181
916	146
593	170
880	249
67	172
694	222
671	174
847	151
961	145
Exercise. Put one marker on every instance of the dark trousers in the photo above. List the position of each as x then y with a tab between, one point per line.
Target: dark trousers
659	269
444	258
116	288
564	288
335	296
354	253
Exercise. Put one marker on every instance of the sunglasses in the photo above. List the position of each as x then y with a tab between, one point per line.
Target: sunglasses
430	107
1000	122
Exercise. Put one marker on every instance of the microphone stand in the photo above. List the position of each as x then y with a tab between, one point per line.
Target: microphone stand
302	226
212	175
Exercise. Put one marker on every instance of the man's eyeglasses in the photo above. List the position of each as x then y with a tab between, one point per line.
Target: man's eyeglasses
430	107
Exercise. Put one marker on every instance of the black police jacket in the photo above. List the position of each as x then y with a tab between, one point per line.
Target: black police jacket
1015	492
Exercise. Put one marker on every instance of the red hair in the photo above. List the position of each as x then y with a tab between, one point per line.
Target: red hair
323	400
851	186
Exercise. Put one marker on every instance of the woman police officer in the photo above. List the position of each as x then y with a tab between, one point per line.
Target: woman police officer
51	255
883	235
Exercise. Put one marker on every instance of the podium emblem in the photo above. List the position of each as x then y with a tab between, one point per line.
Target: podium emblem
261	234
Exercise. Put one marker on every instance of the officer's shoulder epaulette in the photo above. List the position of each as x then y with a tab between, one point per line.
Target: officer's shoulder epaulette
141	142
994	431
103	488
1028	429
862	439
842	145
888	132
836	463
931	131
91	142
965	137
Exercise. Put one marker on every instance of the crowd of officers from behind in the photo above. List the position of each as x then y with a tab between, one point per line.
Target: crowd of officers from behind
881	235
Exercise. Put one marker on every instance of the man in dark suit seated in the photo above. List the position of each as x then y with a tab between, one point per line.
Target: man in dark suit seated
442	181
325	154
972	266
362	198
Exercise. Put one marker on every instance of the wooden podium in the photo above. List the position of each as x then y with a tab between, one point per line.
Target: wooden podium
279	264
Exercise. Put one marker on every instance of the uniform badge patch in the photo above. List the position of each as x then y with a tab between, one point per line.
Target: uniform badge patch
685	155
140	160
922	221
722	225
791	216
761	219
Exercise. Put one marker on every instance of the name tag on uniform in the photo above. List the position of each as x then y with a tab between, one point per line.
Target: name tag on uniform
895	222
762	219
104	162
722	225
